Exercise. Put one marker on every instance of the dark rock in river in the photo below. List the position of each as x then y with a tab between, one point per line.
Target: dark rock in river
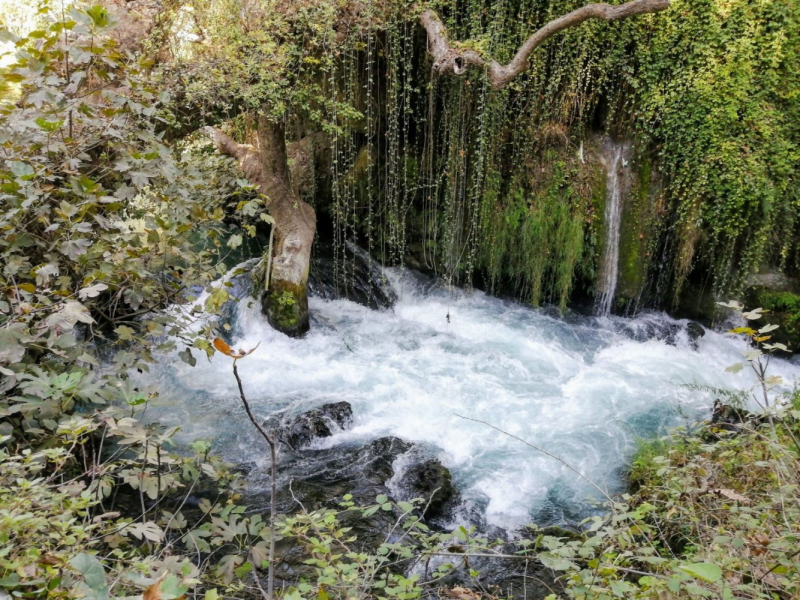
730	419
656	327
317	423
314	479
321	478
695	332
432	481
353	275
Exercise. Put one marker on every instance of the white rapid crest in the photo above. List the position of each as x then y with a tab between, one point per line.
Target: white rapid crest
581	388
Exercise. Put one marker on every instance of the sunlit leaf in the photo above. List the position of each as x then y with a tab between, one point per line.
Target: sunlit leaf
705	571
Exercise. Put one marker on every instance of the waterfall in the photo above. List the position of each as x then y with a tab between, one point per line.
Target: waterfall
609	273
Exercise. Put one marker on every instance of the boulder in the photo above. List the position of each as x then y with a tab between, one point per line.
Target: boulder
695	331
355	276
431	480
316	423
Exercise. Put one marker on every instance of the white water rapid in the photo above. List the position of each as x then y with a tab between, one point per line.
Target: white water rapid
609	272
582	388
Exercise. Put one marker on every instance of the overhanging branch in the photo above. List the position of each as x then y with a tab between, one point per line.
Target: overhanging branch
448	59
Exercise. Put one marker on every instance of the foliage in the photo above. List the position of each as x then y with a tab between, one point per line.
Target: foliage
707	91
99	233
105	223
536	238
787	307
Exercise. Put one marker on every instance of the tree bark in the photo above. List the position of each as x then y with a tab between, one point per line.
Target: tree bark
284	296
448	59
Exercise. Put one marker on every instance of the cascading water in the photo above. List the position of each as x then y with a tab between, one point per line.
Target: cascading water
609	272
581	388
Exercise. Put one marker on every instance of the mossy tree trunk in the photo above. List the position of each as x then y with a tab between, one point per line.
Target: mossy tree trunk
284	295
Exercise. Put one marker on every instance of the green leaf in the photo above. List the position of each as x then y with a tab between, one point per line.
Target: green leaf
705	571
48	126
91	569
99	15
171	588
21	169
186	356
557	563
11	351
242	571
92	291
75	248
235	241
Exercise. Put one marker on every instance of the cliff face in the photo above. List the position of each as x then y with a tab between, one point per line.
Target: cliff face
644	163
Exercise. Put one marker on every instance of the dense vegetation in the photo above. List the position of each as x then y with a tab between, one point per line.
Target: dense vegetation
462	177
115	208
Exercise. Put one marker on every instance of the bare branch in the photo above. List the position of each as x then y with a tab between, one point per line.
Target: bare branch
226	144
273	454
449	59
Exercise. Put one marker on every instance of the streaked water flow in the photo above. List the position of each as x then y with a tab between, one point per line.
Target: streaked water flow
613	215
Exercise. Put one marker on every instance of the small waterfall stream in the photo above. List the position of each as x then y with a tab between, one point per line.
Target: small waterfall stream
609	273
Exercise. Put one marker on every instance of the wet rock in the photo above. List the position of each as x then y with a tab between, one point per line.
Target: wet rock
650	327
313	479
353	275
432	481
774	281
695	332
321	478
658	327
730	418
317	423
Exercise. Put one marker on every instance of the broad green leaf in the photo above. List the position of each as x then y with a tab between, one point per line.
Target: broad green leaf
91	569
706	571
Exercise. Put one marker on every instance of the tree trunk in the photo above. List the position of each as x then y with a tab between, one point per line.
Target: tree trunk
284	297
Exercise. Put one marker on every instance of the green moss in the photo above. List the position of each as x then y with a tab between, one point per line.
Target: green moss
786	303
784	311
645	461
286	307
636	235
540	232
596	231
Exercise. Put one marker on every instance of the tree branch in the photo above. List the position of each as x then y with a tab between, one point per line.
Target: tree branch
226	144
449	59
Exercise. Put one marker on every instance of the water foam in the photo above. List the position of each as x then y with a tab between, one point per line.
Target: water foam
581	388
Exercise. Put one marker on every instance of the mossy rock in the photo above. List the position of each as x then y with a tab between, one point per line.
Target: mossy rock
286	307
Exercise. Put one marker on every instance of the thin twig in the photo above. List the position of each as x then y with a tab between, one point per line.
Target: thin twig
543	451
273	457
